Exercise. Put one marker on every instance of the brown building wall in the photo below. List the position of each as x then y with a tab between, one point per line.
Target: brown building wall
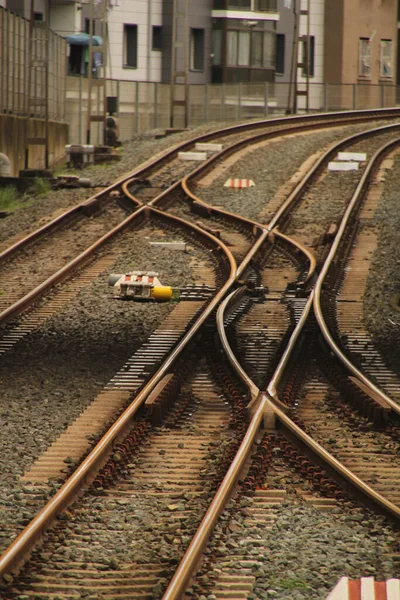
346	22
13	134
334	14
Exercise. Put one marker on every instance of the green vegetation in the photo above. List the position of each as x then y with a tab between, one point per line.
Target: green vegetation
9	200
41	187
176	294
290	583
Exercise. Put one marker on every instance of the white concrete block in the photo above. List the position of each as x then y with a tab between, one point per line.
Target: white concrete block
357	156
343	166
192	155
341	591
367	588
170	245
393	589
209	147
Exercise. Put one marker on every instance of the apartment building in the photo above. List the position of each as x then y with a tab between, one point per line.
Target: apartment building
229	41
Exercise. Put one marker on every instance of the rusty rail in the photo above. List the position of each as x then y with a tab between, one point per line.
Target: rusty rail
318	286
86	471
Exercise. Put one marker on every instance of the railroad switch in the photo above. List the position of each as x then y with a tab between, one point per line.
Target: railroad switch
140	285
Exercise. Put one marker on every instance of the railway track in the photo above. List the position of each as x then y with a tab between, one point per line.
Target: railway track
156	391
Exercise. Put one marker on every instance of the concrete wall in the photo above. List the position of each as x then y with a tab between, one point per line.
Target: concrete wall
13	133
199	17
144	14
23	7
285	26
65	19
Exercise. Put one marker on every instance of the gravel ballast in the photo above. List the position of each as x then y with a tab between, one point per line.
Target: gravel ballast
90	339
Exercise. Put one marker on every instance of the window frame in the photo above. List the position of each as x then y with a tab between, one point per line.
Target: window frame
130	27
364	59
386	43
196	52
159	29
237	35
280	59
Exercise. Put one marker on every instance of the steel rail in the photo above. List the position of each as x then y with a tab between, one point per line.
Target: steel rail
171	153
306	251
229	300
90	465
293	196
20	305
26	540
319	283
191	558
127	193
263	402
284	360
343	471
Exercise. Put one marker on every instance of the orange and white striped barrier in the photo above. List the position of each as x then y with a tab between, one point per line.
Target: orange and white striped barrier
365	588
239	184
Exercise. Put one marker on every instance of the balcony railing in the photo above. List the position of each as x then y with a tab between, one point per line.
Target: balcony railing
254	5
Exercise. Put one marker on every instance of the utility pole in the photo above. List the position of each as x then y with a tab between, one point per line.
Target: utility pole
293	65
180	41
98	116
37	96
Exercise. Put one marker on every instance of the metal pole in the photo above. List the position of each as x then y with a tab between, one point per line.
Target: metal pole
137	107
46	78
266	109
173	64
293	66
308	58
91	15
29	82
206	100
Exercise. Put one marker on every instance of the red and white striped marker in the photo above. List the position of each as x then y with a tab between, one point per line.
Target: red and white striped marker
239	184
366	588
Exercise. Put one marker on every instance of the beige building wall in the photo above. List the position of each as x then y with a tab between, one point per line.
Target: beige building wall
346	21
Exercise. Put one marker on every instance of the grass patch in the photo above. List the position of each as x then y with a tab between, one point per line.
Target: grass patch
290	583
41	187
9	200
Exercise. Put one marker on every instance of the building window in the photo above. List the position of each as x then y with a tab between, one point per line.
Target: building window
157	37
265	5
364	60
87	26
255	48
197	49
311	49
280	53
37	16
130	46
217	47
253	5
386	62
240	4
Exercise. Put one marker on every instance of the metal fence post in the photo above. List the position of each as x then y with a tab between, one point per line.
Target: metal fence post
239	101
206	99
187	106
137	107
80	112
155	105
223	101
325	97
266	109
